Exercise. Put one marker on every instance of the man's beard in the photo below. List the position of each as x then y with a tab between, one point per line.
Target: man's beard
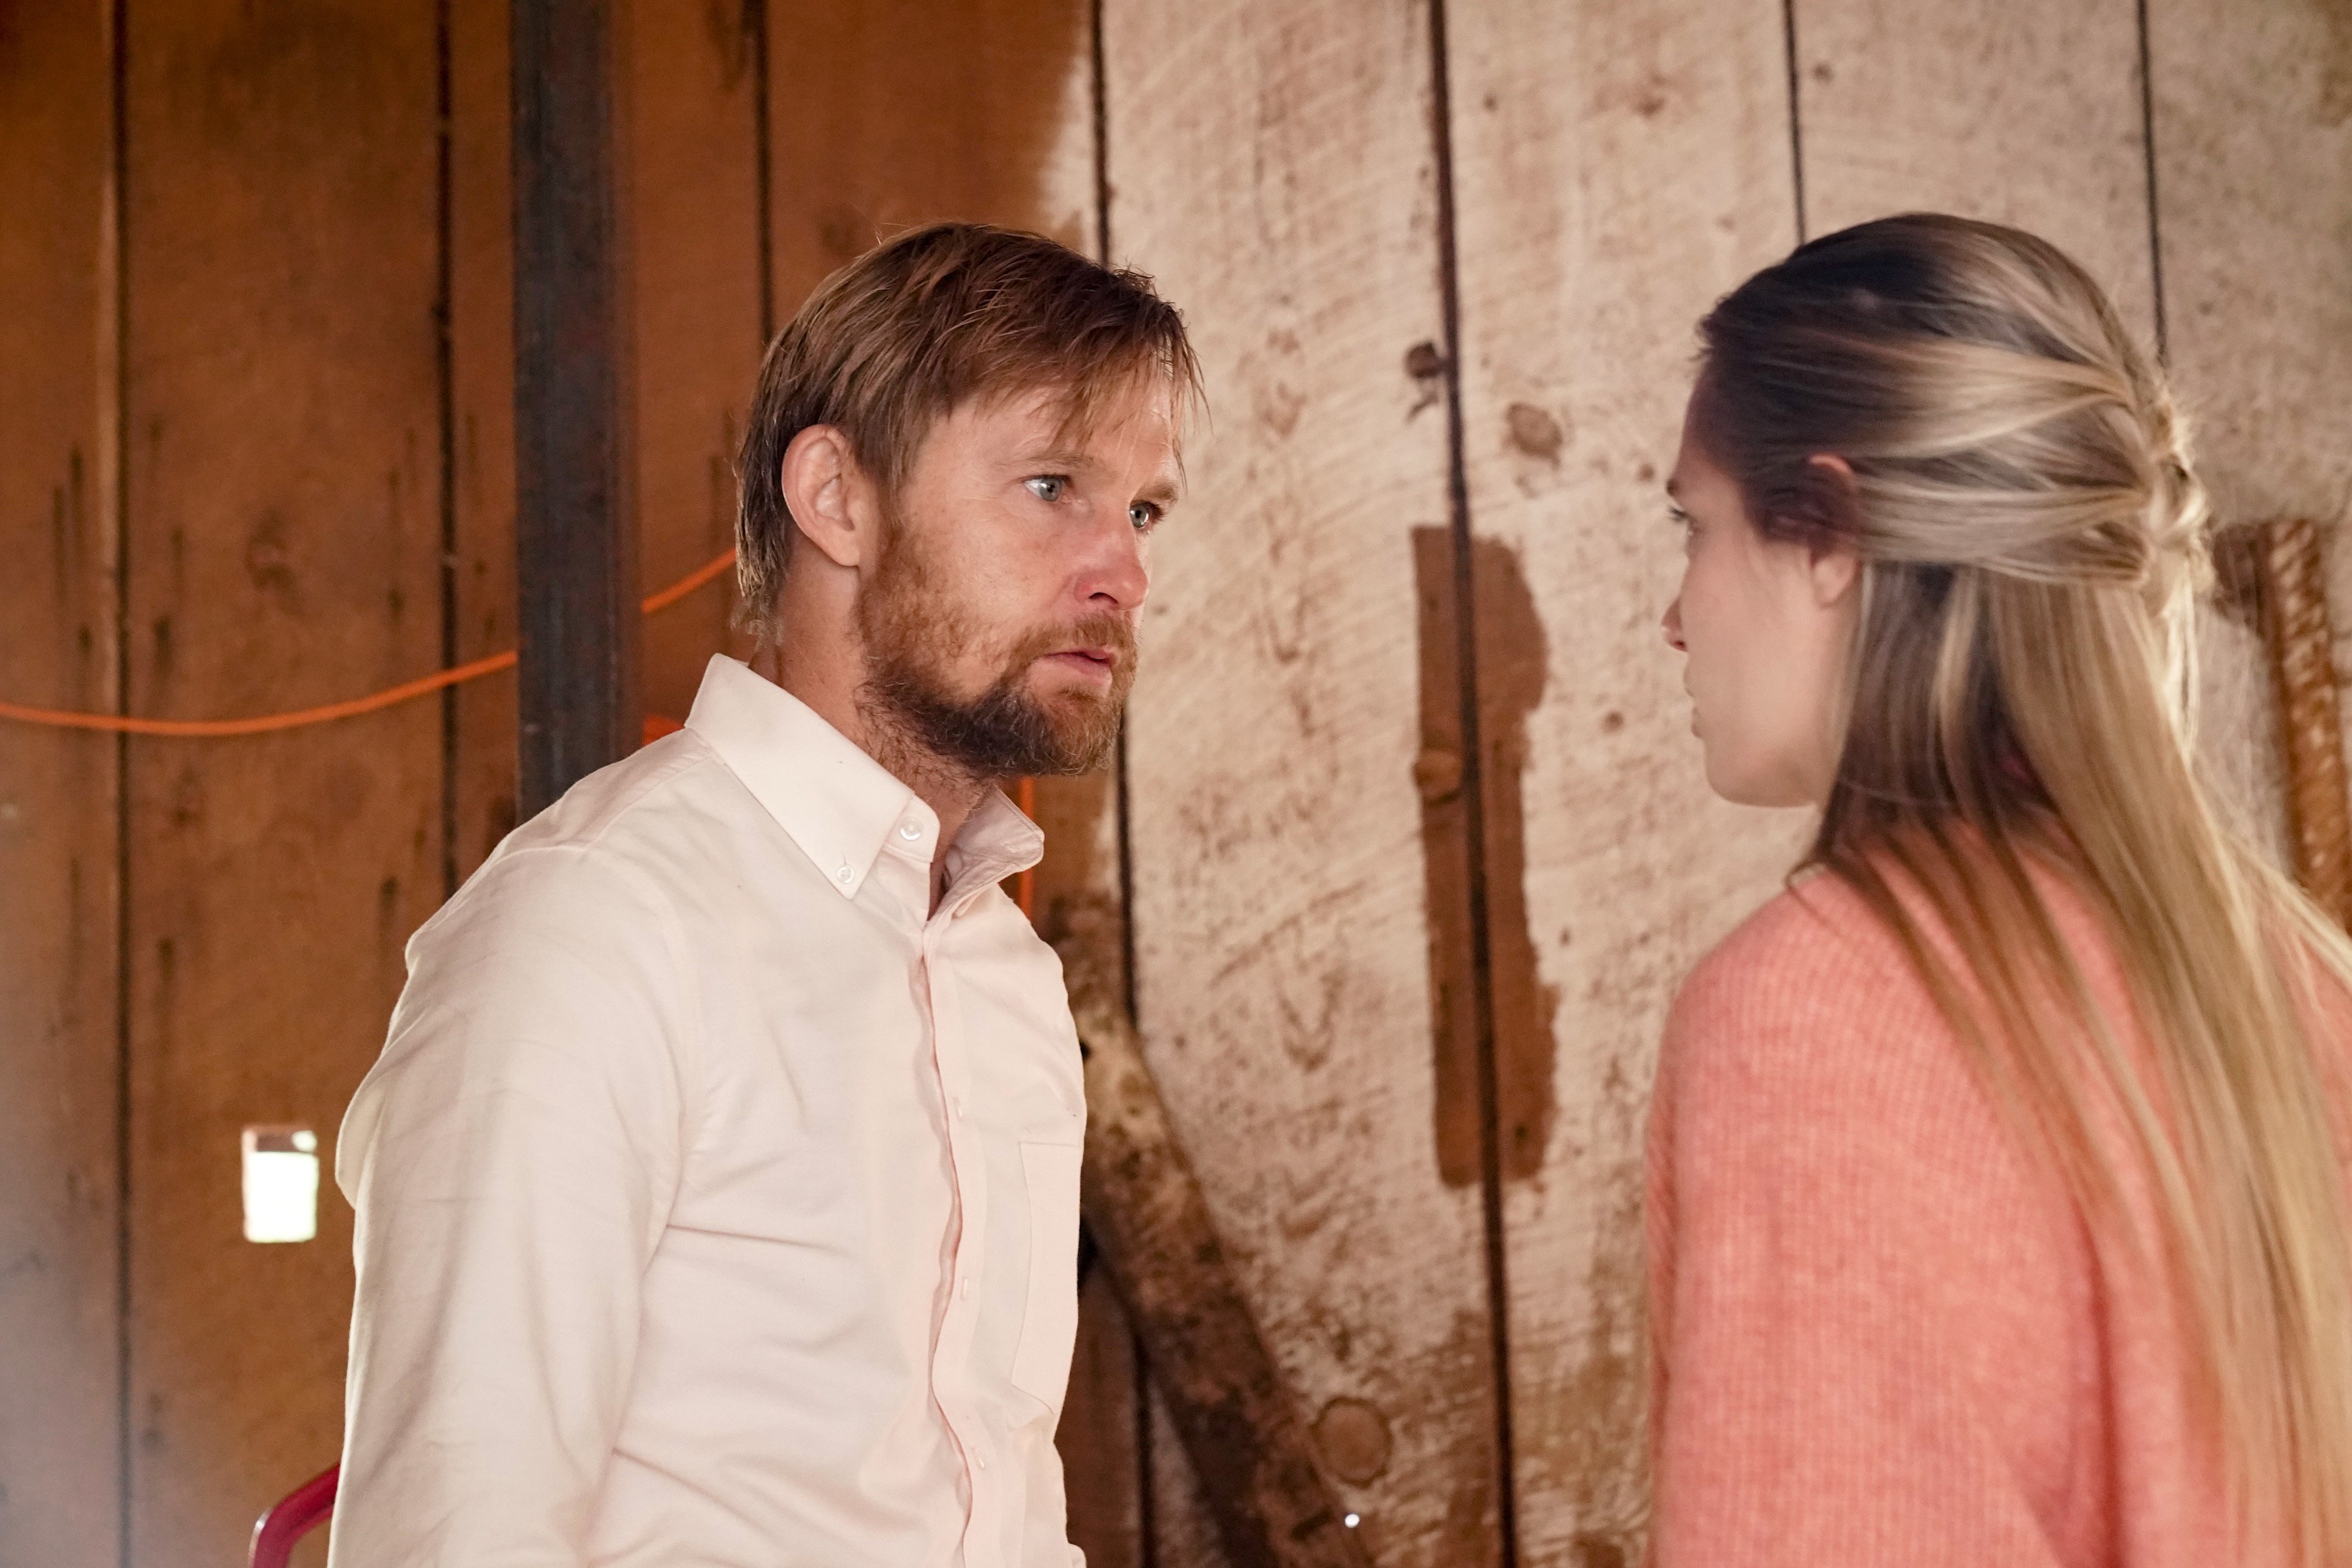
914	632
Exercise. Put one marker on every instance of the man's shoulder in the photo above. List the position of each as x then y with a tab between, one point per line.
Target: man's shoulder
617	799
590	850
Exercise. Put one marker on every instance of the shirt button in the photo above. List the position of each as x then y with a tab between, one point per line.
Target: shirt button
967	1288
981	1460
959	1108
844	874
910	830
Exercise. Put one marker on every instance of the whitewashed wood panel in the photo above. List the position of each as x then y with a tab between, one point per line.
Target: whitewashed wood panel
2034	115
1272	165
2254	159
1618	168
2016	110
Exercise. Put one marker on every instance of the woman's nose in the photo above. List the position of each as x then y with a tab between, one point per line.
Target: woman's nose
1674	624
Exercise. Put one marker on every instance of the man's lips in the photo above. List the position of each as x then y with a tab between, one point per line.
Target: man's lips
1098	662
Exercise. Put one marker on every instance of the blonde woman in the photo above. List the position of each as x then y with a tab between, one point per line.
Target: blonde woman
1998	1168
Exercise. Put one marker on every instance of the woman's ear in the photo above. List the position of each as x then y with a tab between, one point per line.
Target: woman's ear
1835	567
820	480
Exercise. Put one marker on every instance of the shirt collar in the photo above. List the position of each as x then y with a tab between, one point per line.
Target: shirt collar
841	806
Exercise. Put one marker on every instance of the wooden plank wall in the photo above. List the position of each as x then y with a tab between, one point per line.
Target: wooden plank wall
1613	171
61	1218
1271	165
1576	318
316	424
1441	259
282	549
2253	174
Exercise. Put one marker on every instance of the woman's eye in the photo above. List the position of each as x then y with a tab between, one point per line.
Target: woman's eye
1047	487
1682	519
1144	515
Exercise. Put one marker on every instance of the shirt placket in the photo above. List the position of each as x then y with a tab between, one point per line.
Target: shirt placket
951	1361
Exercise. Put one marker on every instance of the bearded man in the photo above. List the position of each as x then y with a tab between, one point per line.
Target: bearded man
717	1187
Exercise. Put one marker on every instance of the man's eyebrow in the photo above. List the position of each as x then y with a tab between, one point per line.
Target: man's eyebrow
1163	491
1055	457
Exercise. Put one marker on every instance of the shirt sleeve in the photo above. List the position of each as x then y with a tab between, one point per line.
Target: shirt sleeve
1820	1211
512	1158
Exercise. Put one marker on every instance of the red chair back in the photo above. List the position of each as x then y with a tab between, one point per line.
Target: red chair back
297	1514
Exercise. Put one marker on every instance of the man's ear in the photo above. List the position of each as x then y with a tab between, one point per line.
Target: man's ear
822	485
1835	568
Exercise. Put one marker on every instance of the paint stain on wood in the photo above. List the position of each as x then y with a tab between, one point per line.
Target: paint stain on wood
1511	651
1535	431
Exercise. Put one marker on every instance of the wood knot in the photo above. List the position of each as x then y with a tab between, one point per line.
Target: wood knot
1437	773
1352	1436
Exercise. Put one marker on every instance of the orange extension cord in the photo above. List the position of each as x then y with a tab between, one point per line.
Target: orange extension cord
1024	884
392	696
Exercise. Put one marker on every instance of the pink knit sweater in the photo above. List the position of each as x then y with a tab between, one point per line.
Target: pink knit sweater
1881	1334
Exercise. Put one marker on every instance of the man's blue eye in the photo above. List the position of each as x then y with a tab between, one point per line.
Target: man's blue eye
1144	515
1047	487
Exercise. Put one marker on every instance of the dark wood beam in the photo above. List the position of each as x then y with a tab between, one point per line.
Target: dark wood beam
575	536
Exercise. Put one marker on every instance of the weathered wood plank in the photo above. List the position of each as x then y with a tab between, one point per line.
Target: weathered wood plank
2008	109
2031	115
2279	571
899	112
1078	905
2253	136
1099	1431
60	1447
691	201
482	424
283	549
1241	1426
1615	174
1273	167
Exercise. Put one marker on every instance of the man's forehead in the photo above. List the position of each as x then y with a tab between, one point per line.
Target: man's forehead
1054	428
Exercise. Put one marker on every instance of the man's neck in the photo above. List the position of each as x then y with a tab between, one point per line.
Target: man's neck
952	793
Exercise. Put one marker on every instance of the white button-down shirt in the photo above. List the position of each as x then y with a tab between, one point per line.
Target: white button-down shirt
718	1201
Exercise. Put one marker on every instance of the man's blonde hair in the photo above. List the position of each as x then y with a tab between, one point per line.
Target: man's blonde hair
917	327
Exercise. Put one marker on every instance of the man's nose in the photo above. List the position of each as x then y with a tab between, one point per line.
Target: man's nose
1674	624
1118	576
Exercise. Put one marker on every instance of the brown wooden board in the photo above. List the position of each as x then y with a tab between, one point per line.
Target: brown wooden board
1615	173
59	1127
893	113
1098	1435
1078	904
2253	136
283	548
482	783
691	203
1272	165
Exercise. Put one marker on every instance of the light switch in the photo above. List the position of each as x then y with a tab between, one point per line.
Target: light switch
281	1183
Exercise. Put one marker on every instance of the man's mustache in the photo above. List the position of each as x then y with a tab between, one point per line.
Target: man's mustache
1109	633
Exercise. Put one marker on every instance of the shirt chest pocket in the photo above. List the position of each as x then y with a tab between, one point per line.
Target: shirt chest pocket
1049	1318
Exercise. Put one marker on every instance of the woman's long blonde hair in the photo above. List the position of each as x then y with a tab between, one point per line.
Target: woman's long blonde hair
2022	695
